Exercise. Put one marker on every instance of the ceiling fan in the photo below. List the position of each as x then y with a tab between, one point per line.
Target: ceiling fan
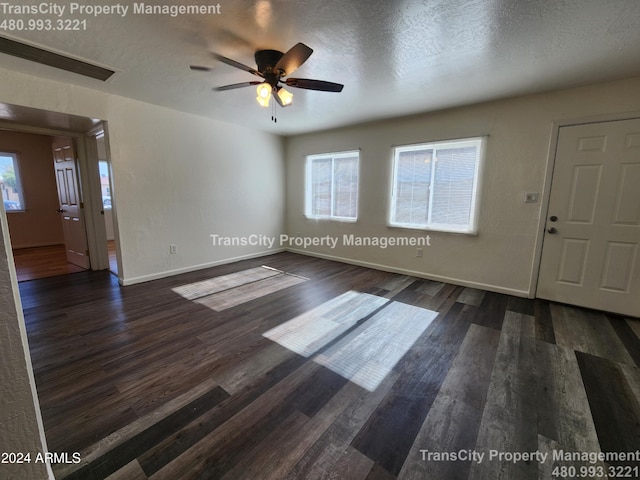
272	67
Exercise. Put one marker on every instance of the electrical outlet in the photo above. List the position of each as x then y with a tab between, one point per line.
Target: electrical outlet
173	248
419	253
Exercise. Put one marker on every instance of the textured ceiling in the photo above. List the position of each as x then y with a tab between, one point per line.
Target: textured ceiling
394	57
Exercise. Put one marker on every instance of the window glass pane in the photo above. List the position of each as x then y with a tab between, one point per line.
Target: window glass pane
346	187
332	186
321	187
103	166
435	185
413	177
10	186
453	185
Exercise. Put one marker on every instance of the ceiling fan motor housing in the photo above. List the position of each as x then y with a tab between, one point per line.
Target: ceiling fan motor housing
266	60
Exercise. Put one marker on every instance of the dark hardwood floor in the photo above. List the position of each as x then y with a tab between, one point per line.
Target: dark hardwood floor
402	378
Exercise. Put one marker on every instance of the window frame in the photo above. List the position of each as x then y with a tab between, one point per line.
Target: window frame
471	228
309	182
20	191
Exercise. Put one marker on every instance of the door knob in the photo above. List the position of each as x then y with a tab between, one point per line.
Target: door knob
552	230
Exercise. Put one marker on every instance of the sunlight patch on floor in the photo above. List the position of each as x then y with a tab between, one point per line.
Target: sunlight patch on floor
363	353
194	290
309	332
226	291
368	354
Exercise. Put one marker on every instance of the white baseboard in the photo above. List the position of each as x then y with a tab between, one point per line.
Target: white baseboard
169	273
414	273
350	261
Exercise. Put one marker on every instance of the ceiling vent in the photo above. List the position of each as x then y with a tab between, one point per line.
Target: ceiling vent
38	55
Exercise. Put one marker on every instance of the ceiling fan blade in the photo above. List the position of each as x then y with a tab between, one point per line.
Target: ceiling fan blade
295	57
235	64
200	68
236	85
310	84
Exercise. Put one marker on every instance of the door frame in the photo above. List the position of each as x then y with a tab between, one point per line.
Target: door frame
89	185
94	173
548	179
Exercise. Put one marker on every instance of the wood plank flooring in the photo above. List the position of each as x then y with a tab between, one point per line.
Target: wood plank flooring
42	262
51	261
147	384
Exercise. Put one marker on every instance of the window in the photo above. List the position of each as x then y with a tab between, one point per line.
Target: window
10	183
103	167
332	186
435	185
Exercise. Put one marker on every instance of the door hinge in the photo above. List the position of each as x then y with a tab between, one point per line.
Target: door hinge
87	253
81	204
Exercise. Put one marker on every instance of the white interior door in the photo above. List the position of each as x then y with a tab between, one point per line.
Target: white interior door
75	238
590	253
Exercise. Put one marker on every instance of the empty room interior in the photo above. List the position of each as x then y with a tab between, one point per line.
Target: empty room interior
320	240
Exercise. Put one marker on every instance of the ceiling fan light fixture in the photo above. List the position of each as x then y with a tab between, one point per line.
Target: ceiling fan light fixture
285	97
272	67
264	94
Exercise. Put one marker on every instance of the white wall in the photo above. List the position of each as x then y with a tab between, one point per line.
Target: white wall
21	427
179	178
501	256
